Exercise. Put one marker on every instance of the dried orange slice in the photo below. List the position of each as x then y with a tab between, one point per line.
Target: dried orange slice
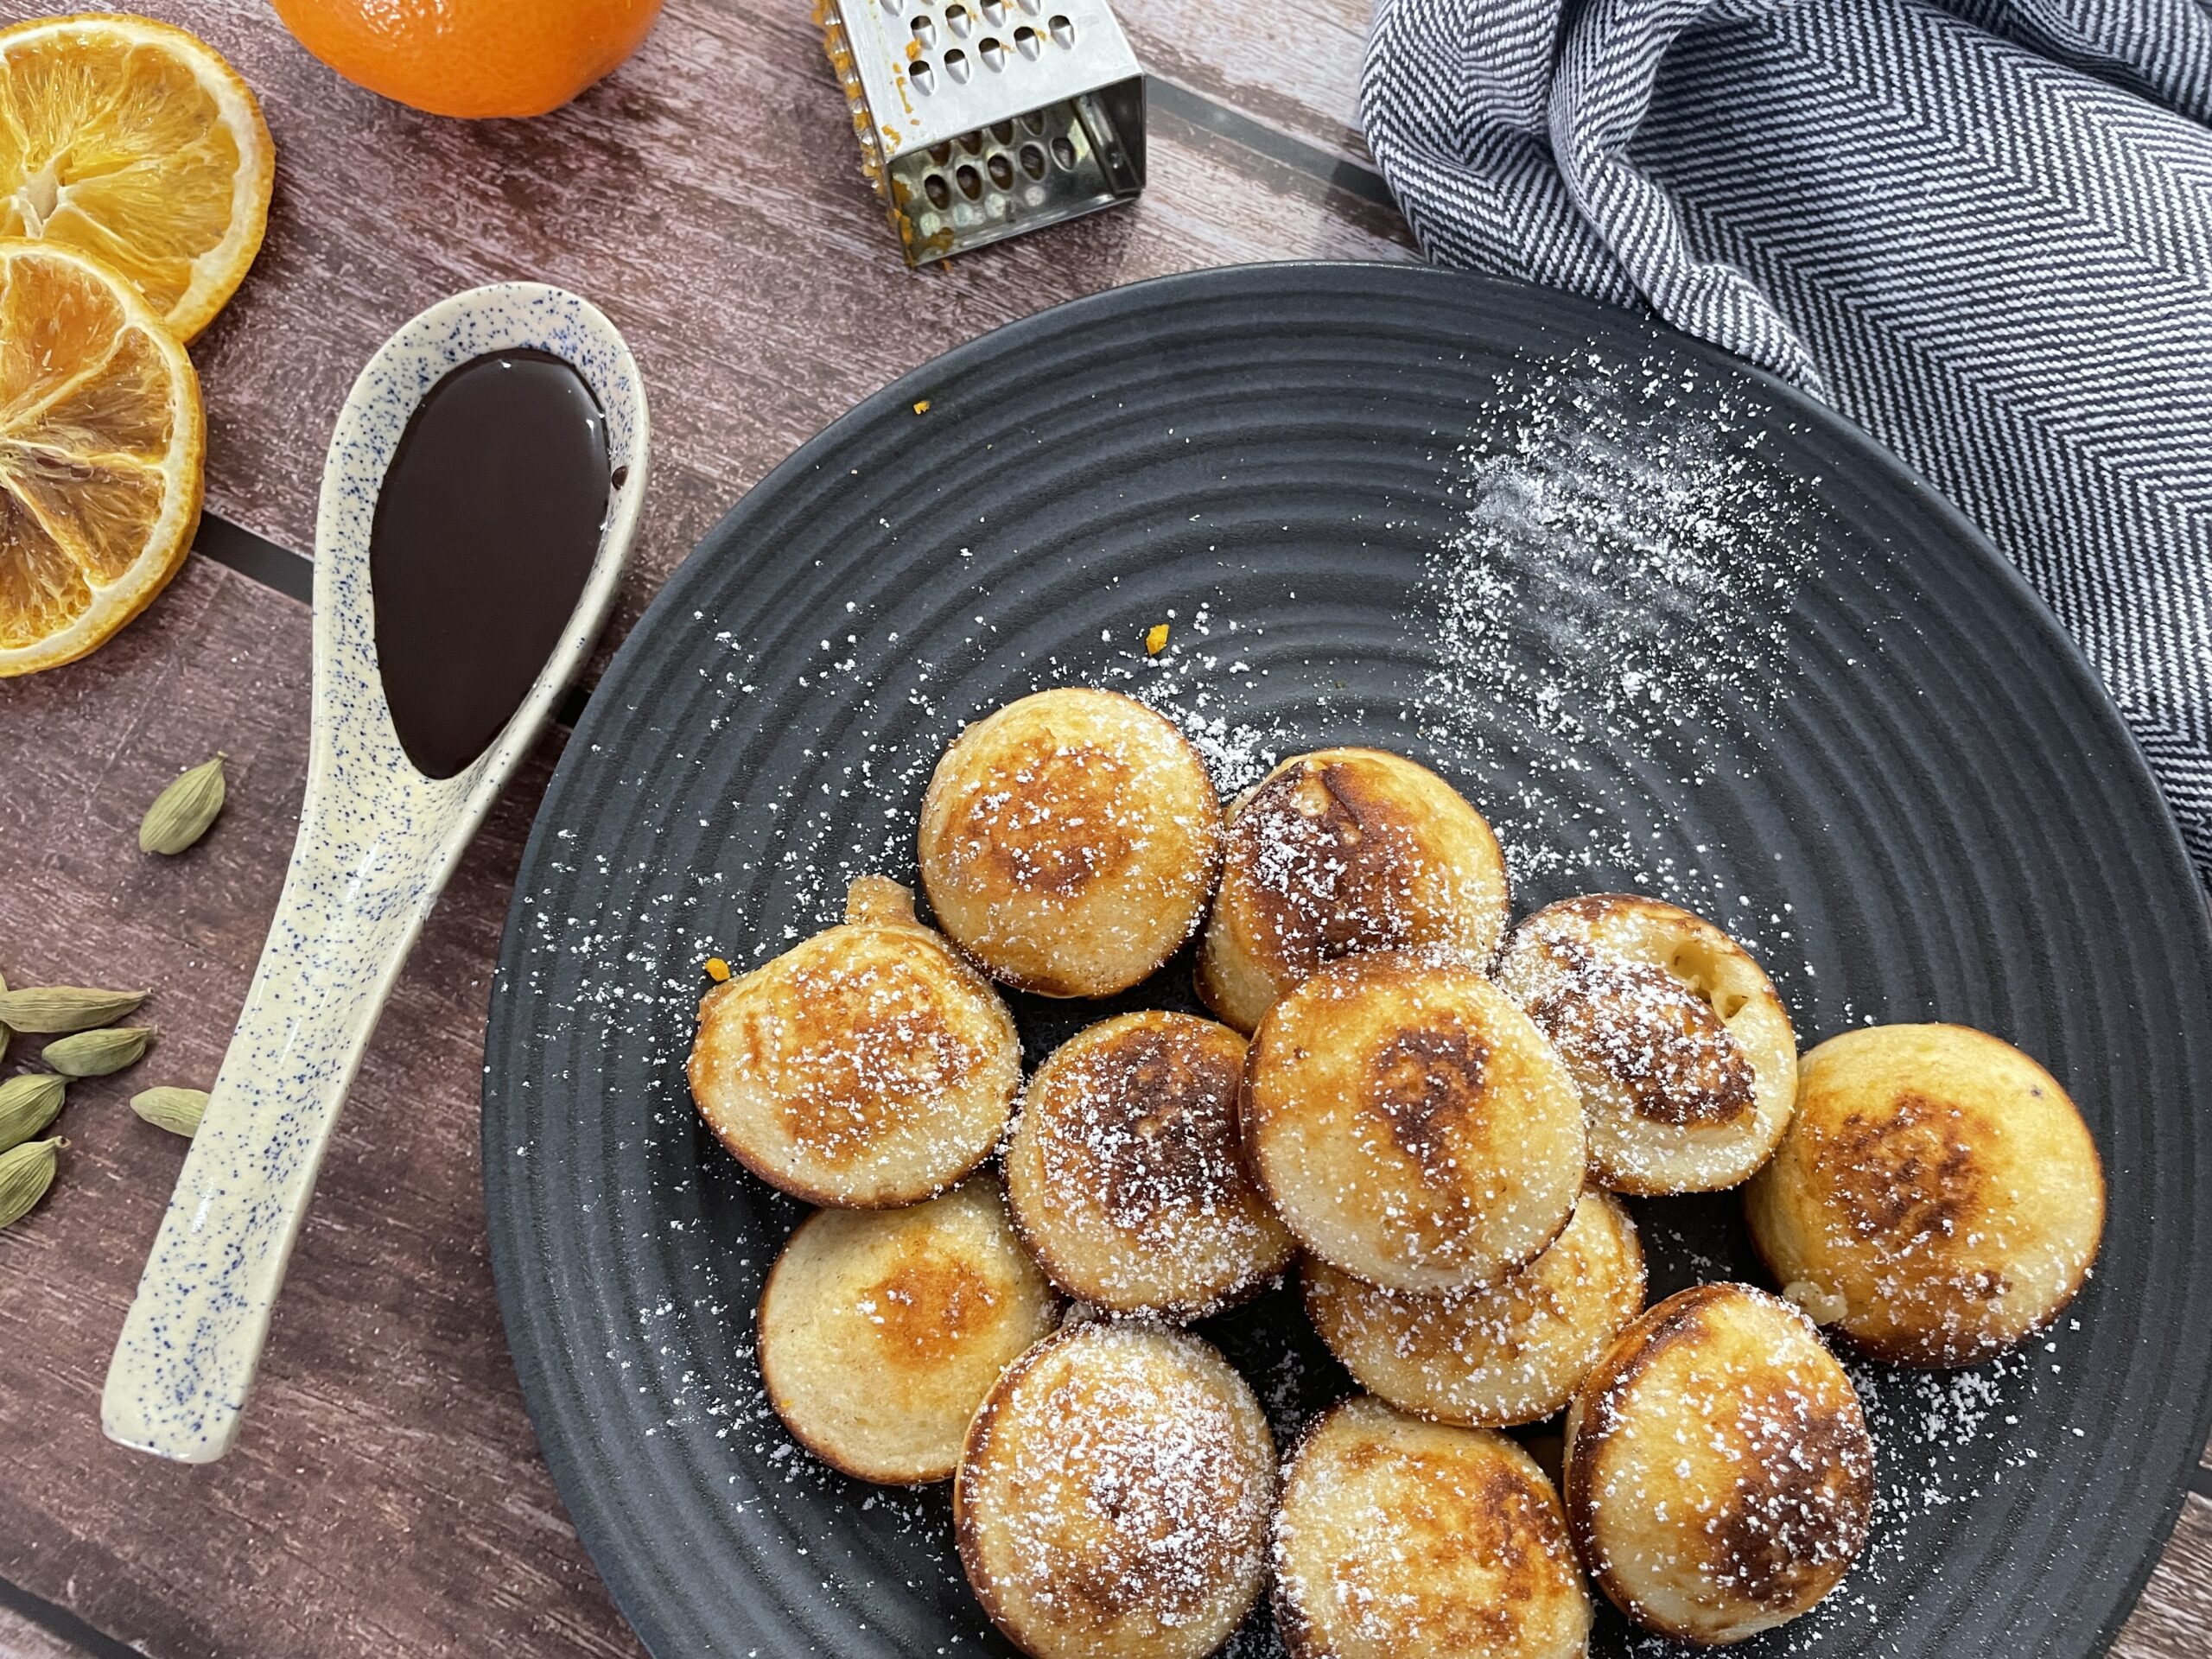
101	442
134	140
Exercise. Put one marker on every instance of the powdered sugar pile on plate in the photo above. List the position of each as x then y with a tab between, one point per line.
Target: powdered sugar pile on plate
1639	556
1618	576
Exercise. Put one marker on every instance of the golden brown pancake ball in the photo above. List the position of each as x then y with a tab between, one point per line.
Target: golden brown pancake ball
1400	1539
1680	1048
1113	1498
868	1066
1069	843
1497	1355
1410	1124
882	1330
1337	853
1125	1173
1937	1198
1720	1478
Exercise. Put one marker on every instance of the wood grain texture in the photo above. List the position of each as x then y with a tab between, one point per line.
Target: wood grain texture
708	196
20	1639
1293	65
2174	1618
387	1497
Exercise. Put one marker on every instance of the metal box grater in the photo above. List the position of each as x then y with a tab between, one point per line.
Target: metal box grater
978	119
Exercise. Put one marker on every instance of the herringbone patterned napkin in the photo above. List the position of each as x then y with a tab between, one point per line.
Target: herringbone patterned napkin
1983	230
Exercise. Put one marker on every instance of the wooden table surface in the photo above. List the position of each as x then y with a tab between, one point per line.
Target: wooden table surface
387	1497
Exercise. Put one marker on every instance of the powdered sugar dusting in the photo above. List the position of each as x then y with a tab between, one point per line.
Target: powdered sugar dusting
1119	1481
1126	1175
1639	556
1621	577
1926	1427
1193	681
1610	596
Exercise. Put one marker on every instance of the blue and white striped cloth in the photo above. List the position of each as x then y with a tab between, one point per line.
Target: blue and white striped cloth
1982	229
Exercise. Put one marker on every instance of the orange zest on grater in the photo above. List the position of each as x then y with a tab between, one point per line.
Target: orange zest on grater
980	119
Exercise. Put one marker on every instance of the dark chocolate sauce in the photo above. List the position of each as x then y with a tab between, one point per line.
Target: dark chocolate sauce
486	530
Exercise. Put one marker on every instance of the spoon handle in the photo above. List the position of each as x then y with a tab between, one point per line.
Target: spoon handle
193	1338
377	838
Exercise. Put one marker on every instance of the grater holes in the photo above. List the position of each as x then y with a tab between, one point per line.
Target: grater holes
894	7
1003	170
1026	42
959	19
922	77
1063	30
995	13
1032	7
956	65
992	54
924	33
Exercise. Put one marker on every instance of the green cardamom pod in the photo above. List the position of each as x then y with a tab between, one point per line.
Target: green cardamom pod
64	1007
4	1032
181	813
25	1173
177	1110
96	1053
28	1104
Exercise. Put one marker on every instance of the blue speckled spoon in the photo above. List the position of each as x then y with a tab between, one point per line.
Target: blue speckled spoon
376	842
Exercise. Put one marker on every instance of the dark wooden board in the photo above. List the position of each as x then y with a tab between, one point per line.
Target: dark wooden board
708	197
20	1638
387	1497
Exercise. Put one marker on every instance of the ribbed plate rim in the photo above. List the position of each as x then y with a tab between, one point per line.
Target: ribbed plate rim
539	1374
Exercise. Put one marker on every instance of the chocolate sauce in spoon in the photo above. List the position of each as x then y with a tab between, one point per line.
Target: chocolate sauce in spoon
486	528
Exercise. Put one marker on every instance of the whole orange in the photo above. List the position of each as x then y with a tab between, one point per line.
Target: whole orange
472	57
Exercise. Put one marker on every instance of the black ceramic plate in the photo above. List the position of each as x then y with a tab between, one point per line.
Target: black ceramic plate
1673	627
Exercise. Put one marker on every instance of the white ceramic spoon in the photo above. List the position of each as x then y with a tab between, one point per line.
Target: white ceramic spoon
376	842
